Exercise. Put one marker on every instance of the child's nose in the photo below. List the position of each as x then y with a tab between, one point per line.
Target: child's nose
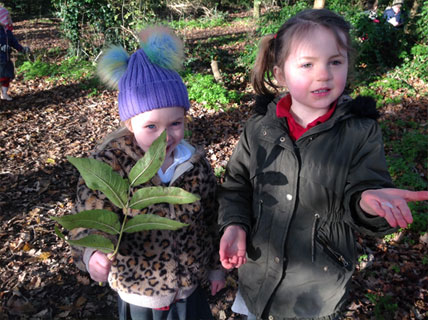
168	135
323	73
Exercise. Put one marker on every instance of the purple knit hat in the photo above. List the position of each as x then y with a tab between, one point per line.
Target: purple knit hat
4	16
146	86
148	79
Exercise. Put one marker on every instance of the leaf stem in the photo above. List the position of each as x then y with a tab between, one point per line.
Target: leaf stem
126	213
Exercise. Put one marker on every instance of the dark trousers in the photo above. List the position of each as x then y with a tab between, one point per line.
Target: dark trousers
195	307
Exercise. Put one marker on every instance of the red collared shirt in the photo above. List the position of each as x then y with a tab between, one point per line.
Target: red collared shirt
296	130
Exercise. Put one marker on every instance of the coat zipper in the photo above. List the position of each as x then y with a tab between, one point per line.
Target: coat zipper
333	253
336	255
314	227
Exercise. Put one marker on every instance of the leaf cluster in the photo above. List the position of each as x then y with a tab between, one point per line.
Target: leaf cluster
100	176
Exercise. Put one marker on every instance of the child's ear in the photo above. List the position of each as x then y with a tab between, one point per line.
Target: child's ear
279	75
128	125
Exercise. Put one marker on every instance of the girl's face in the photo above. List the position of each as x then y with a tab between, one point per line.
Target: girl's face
147	126
314	72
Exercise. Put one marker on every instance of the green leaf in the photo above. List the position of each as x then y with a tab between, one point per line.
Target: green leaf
145	197
95	241
151	222
102	220
149	164
100	176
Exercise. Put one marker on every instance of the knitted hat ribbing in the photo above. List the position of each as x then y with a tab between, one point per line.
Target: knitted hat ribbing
148	79
146	86
4	16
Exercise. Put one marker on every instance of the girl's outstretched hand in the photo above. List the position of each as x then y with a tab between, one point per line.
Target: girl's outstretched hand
99	266
233	247
391	204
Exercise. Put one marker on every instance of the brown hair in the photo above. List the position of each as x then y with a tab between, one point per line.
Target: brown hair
274	49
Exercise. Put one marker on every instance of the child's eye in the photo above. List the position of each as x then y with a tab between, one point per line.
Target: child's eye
151	126
336	62
307	65
176	123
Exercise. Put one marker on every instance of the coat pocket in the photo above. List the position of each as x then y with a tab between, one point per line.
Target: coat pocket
333	254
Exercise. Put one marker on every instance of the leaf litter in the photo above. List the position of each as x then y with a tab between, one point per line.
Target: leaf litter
45	123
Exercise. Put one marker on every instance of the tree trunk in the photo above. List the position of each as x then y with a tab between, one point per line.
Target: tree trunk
256	9
216	71
414	10
319	4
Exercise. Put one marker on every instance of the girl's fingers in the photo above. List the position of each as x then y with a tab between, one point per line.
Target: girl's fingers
397	214
406	213
387	214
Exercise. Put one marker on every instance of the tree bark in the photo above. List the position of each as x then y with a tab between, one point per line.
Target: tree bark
319	4
216	71
256	9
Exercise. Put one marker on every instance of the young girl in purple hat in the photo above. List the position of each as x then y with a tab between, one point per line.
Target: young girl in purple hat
157	274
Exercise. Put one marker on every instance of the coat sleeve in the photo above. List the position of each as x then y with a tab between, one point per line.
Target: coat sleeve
210	207
235	194
13	42
368	171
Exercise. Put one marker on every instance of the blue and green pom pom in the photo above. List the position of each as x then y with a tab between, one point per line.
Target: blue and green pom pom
162	47
112	65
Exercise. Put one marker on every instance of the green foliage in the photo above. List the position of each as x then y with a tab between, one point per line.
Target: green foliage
405	152
90	24
363	257
28	9
269	24
407	148
385	306
420	217
204	89
379	45
205	22
100	176
219	171
415	65
395	268
73	68
421	22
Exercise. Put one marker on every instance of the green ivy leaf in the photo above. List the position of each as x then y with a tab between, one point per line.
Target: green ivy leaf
145	197
95	241
148	166
99	219
151	222
100	176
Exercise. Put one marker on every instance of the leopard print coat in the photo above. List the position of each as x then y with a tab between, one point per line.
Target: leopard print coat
157	263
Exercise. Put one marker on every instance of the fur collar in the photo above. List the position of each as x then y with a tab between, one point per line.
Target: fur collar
362	106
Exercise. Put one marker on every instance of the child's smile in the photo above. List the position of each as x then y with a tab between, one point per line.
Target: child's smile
315	74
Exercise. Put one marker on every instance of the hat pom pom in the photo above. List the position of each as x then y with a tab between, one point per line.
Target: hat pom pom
112	65
162	47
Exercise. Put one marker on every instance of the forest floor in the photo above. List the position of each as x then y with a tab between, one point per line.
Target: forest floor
46	122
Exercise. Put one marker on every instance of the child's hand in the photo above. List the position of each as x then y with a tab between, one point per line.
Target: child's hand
217	285
391	204
99	266
233	247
